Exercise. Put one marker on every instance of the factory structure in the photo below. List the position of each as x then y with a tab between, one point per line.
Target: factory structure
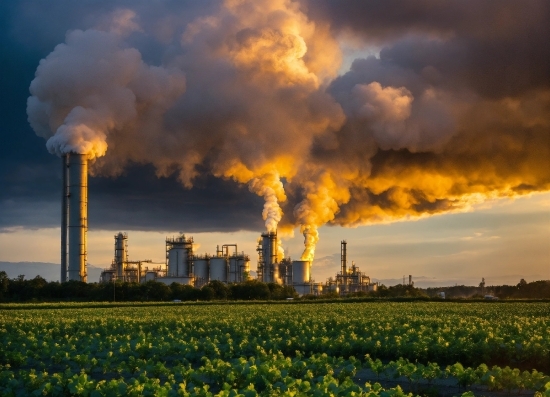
228	265
182	264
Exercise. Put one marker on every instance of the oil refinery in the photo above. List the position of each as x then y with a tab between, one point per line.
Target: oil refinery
228	265
182	264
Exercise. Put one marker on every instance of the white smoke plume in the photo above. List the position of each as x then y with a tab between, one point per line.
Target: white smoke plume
271	189
93	86
311	237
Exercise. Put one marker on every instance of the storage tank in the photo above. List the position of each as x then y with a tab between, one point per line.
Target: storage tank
201	269
300	272
178	252
218	269
238	265
150	275
303	289
185	280
177	262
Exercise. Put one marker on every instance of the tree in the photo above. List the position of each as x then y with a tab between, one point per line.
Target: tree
221	291
4	285
522	283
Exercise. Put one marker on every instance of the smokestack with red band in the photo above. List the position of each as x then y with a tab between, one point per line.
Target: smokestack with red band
78	215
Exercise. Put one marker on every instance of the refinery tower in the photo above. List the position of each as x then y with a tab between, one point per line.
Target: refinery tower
74	217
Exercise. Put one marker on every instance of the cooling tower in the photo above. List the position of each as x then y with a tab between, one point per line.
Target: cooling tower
77	193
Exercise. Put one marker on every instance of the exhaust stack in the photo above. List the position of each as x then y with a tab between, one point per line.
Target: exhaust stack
64	216
77	223
343	257
270	257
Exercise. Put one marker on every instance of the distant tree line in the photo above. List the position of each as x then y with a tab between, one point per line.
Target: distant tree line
40	290
522	290
395	291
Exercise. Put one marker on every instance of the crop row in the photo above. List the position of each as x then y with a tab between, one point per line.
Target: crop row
270	375
475	334
495	378
148	348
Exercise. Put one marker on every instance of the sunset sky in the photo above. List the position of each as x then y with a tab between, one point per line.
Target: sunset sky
417	131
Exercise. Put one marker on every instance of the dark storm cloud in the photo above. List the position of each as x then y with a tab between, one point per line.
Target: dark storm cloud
455	110
141	201
30	177
498	48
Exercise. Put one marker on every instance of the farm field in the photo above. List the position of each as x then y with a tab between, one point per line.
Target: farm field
378	348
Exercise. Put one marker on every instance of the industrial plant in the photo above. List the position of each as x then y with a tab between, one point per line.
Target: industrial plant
228	265
182	264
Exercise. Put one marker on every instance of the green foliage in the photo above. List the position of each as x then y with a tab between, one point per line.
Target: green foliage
262	349
38	290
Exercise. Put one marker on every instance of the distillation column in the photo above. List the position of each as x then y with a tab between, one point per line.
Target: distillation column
121	254
344	270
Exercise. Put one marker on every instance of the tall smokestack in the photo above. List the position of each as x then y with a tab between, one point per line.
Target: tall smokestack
270	255
64	214
78	215
343	256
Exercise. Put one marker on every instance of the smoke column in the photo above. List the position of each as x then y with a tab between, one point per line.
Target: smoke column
271	189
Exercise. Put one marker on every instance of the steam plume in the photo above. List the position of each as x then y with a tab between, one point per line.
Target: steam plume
91	87
271	189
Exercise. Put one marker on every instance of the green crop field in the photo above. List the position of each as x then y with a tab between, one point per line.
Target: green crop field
370	349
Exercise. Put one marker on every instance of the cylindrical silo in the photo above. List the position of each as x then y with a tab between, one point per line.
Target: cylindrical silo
300	272
177	261
218	268
78	215
201	269
150	275
238	266
245	269
179	251
234	269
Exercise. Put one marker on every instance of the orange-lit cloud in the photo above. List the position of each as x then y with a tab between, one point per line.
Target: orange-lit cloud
249	91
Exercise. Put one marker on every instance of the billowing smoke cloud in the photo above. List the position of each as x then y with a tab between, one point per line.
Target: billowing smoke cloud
454	110
92	86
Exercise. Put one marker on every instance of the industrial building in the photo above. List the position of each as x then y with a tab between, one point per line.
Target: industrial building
124	269
349	280
228	265
182	265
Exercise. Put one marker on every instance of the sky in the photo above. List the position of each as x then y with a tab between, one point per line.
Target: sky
419	132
